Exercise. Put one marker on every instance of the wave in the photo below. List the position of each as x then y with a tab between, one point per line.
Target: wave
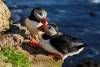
94	1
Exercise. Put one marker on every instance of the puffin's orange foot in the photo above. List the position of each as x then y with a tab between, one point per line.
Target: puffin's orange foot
33	42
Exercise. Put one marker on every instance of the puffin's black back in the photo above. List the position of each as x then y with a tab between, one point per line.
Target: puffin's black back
63	43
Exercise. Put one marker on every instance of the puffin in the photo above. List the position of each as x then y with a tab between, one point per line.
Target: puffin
60	45
36	24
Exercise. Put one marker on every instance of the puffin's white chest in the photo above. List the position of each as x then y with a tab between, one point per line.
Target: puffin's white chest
48	47
31	25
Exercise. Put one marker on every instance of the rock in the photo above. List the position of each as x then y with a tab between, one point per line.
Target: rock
5	15
2	0
10	39
8	65
47	63
43	57
14	36
92	14
1	63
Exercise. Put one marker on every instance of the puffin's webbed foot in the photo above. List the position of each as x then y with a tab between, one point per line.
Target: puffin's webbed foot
33	42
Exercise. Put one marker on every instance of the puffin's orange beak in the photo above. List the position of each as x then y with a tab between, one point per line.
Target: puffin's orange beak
44	24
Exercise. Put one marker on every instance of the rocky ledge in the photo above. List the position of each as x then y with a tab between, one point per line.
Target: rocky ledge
5	15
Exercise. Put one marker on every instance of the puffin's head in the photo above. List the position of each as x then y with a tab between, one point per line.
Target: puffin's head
39	13
52	30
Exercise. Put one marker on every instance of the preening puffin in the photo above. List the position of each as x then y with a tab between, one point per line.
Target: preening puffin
60	44
36	24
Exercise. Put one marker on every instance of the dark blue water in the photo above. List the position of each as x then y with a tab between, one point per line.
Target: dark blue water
72	17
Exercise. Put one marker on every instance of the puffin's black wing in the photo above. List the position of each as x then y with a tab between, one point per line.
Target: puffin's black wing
64	43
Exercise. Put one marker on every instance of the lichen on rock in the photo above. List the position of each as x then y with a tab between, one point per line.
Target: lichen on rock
5	17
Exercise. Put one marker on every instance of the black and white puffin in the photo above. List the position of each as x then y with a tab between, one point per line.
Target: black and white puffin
36	23
60	44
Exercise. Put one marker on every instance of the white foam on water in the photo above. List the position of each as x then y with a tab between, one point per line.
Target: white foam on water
94	1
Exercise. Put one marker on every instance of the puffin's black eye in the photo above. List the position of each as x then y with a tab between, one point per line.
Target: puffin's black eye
49	27
40	13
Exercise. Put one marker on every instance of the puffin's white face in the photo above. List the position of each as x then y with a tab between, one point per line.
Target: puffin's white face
40	14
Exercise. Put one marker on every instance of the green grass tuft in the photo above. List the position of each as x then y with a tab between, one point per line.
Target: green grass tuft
14	56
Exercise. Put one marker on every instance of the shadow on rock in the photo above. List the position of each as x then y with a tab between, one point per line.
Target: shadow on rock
33	50
18	29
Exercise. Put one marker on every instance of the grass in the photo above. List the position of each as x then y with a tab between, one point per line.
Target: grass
14	56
